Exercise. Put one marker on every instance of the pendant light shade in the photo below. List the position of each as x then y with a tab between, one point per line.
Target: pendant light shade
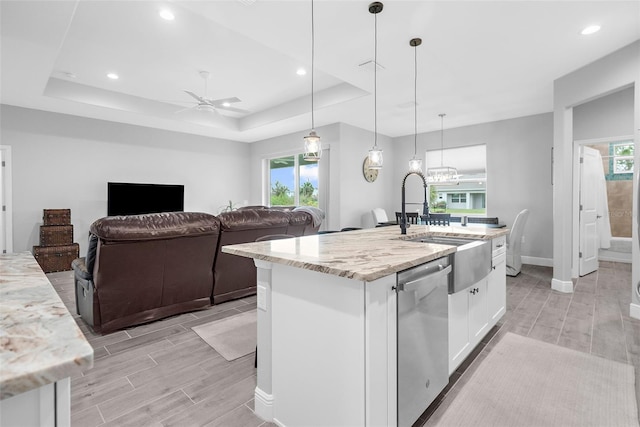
443	175
375	154
312	143
415	164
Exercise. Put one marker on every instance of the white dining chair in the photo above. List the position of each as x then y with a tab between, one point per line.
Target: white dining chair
379	215
514	243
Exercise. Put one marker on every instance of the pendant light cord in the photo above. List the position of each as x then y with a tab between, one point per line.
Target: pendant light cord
313	44
415	102
442	140
375	82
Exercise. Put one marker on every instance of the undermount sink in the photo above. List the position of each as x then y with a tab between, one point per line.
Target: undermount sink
471	261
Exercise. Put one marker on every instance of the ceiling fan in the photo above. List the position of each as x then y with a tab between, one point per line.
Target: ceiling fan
211	105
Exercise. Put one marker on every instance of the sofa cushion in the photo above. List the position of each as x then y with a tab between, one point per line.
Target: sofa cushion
253	219
155	226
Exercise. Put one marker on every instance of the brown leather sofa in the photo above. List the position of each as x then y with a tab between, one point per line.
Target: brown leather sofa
145	267
141	268
235	277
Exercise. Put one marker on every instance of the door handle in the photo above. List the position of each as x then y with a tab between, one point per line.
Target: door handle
412	285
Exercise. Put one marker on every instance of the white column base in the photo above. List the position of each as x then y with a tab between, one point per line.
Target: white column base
634	311
263	405
562	286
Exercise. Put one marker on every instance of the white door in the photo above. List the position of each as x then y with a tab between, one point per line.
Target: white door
589	171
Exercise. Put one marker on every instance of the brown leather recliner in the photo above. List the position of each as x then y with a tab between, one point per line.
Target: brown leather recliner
145	267
235	277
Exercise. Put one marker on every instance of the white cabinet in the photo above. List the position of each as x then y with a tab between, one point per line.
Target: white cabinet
496	284
475	310
468	322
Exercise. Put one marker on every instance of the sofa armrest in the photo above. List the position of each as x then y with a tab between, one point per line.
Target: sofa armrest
80	270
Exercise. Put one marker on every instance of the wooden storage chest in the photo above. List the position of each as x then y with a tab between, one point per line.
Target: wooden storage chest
56	216
56	258
56	235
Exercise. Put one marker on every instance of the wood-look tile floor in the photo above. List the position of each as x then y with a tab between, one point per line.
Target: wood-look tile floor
163	374
593	319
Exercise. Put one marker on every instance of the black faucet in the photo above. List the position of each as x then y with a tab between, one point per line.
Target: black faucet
425	206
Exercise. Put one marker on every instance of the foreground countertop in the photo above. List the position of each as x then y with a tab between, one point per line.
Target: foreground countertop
40	343
366	255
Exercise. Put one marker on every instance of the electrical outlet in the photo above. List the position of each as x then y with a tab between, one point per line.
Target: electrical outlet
262	298
522	240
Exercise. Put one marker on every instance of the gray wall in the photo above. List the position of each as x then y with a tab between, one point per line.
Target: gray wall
518	172
611	115
345	147
62	161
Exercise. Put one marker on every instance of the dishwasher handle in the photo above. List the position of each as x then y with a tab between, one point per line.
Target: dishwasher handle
412	285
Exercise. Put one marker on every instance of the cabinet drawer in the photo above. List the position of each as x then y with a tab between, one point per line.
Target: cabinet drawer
499	245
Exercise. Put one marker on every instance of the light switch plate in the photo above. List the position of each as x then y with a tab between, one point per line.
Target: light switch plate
262	298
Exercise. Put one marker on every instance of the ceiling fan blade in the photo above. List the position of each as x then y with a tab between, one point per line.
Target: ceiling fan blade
198	98
184	109
233	109
219	102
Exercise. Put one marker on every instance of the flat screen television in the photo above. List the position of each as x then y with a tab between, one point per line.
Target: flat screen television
134	199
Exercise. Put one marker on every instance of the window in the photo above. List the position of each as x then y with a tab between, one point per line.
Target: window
293	181
623	157
459	198
470	195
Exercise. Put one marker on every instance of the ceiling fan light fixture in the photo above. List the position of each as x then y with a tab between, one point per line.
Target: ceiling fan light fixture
167	15
591	29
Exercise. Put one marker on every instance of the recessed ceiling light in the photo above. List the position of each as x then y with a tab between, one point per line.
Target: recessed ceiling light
167	15
226	104
113	76
590	30
301	72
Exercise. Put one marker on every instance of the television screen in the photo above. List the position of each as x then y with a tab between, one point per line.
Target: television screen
134	199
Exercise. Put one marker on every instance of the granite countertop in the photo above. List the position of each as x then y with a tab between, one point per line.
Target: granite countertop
366	255
40	342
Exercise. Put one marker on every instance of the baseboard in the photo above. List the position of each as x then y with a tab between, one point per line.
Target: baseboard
634	311
263	404
532	260
562	286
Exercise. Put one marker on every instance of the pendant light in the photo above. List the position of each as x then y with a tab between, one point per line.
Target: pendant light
312	143
415	164
375	154
444	175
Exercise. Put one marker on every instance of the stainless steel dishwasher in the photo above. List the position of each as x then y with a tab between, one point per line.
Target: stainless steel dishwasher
423	337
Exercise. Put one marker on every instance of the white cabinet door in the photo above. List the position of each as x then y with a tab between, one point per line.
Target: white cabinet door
497	289
478	318
459	346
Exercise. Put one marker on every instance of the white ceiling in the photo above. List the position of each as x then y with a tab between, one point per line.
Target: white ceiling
480	61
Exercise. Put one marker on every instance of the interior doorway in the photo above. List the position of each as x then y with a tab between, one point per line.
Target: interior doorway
615	230
6	224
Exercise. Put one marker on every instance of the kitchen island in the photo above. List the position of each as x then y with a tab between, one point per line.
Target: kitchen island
327	321
41	347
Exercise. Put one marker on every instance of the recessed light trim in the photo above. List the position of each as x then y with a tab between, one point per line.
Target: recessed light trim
590	30
301	72
167	15
113	76
226	104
